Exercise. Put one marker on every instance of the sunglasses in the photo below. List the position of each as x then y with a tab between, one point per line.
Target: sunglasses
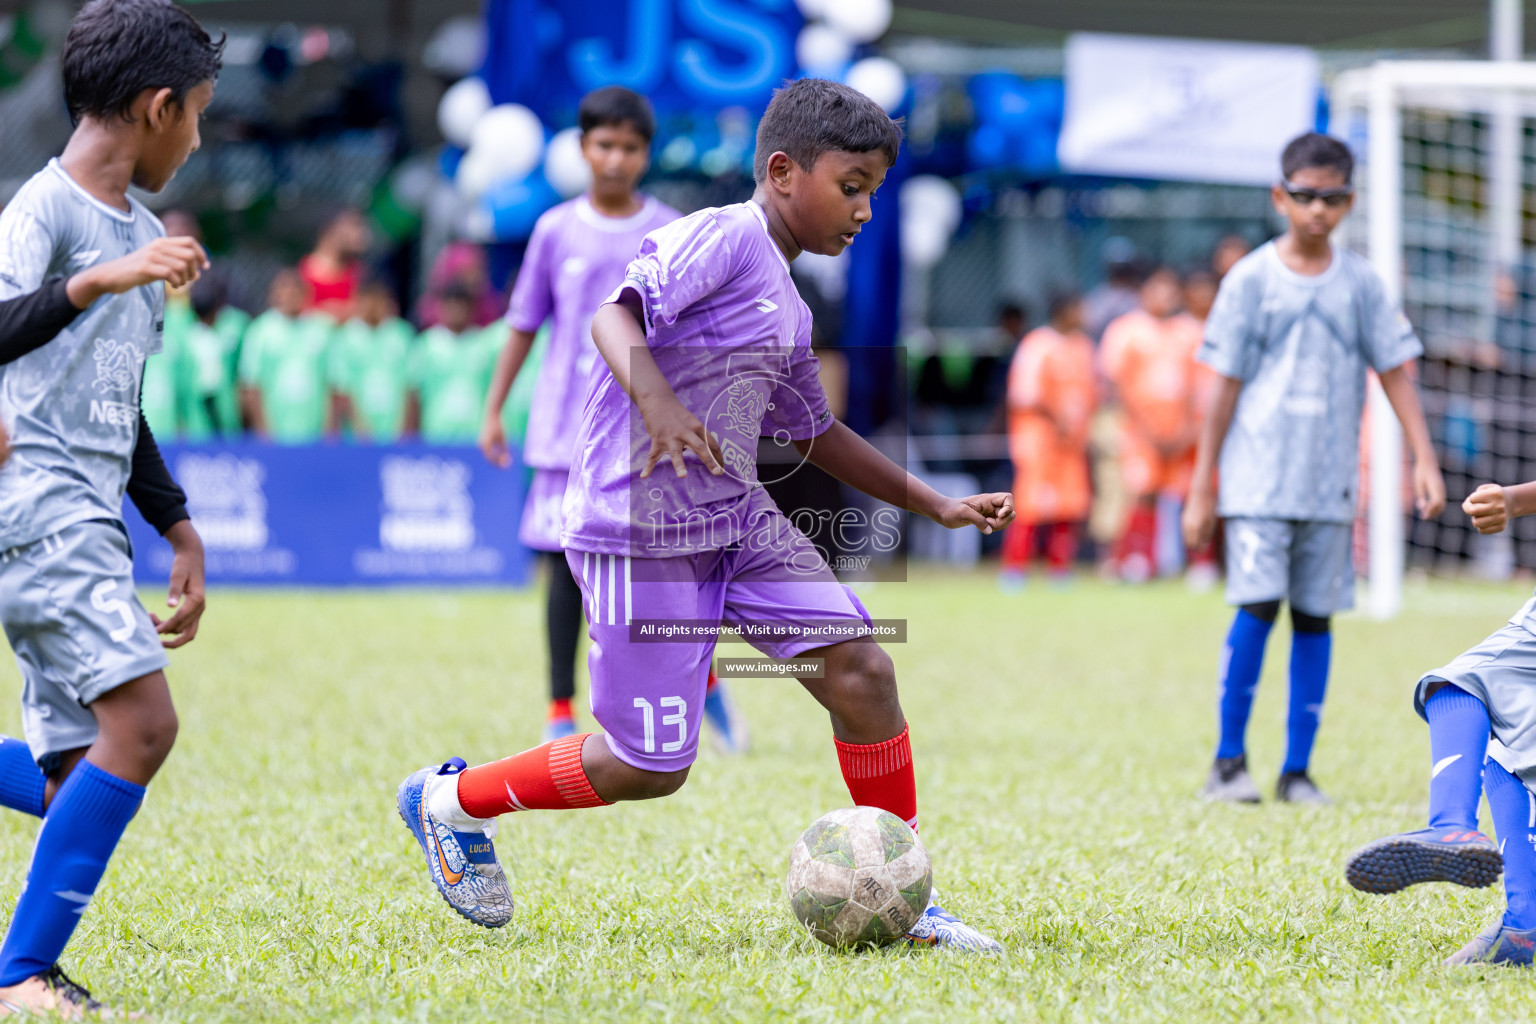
1332	197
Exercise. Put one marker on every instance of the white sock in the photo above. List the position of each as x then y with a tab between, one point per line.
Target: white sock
443	804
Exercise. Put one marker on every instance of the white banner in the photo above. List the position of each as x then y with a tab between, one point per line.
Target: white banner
1184	109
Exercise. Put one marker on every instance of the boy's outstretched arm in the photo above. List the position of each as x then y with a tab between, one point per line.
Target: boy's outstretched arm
1200	509
859	464
620	339
1428	485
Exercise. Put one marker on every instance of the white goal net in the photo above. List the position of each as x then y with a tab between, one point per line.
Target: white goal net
1446	149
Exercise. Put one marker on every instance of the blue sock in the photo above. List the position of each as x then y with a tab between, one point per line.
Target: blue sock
1241	661
79	833
1514	818
21	780
1310	653
1458	743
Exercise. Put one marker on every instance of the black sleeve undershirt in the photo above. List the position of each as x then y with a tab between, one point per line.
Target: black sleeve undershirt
27	323
151	488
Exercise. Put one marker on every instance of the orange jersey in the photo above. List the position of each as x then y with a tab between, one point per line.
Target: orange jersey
1151	364
1203	382
1052	391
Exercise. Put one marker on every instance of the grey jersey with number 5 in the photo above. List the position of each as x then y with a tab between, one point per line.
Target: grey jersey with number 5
72	406
1301	346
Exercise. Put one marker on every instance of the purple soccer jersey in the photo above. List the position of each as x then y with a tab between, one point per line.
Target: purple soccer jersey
575	258
732	337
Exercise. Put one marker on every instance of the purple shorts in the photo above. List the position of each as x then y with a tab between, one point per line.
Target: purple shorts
540	529
648	693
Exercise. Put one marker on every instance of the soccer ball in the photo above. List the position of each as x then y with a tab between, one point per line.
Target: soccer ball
858	876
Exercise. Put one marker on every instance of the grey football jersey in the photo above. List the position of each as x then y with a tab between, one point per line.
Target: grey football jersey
1301	346
72	406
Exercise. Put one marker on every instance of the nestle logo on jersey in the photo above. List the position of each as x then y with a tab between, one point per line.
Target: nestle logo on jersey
117	414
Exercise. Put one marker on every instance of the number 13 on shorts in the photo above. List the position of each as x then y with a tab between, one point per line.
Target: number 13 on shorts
679	719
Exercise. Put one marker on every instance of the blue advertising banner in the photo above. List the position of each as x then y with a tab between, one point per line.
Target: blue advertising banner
685	55
344	515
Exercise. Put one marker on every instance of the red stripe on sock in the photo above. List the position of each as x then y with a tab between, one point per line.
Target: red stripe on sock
880	775
548	778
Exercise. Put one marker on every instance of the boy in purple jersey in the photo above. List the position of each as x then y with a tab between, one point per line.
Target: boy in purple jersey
576	256
707	348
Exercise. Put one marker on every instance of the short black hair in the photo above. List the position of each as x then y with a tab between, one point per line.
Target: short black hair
118	48
1317	150
616	106
456	292
812	116
1060	300
375	283
210	293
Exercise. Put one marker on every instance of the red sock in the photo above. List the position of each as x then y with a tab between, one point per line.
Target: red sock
1018	539
548	778
1061	548
711	682
880	775
560	707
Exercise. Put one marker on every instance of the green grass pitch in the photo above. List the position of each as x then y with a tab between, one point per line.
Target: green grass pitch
1060	738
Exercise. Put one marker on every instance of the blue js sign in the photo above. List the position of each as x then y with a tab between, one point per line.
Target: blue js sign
683	54
333	515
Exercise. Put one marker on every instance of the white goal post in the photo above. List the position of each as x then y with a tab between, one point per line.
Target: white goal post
1500	96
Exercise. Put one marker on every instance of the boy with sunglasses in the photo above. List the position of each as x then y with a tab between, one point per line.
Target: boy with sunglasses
1296	324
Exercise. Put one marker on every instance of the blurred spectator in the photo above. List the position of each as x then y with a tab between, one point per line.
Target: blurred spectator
208	403
1148	355
461	265
1052	391
283	366
1199	297
370	362
158	388
1228	251
1117	295
333	270
1011	322
451	370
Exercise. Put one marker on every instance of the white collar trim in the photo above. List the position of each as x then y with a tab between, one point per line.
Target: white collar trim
110	211
762	219
589	216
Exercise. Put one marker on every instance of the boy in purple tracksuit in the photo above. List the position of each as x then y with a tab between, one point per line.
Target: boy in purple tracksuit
706	346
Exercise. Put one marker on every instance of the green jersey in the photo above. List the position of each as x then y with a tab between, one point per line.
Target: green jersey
157	394
285	361
207	385
451	374
372	366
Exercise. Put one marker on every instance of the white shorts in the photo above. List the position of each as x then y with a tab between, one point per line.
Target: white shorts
77	629
1309	564
1500	672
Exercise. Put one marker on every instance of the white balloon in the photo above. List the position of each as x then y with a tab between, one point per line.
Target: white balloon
881	79
564	166
476	174
928	197
822	51
461	107
812	8
456	48
863	21
511	137
923	242
411	183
